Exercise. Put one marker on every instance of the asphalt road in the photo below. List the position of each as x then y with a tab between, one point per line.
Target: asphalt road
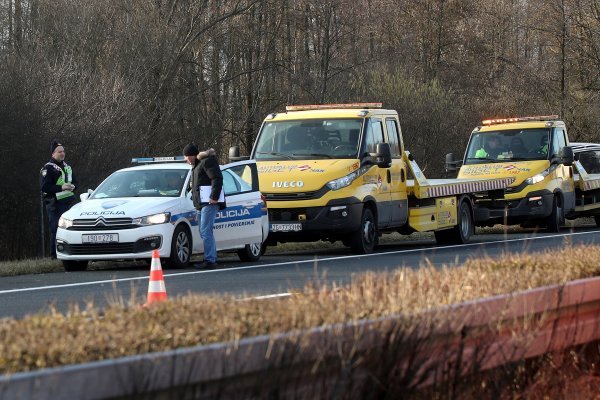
275	275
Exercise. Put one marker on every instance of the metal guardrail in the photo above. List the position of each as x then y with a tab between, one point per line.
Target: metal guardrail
352	360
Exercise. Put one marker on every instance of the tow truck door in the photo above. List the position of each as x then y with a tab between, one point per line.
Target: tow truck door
397	174
377	179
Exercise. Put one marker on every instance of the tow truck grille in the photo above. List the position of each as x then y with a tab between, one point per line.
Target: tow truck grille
296	195
290	196
102	224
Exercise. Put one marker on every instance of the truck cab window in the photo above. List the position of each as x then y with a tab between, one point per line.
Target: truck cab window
558	141
374	135
393	137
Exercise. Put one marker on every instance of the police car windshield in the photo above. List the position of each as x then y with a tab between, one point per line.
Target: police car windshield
506	145
142	183
308	139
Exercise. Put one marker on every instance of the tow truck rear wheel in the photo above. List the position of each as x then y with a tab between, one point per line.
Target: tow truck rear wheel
181	248
365	239
463	230
72	266
556	218
250	252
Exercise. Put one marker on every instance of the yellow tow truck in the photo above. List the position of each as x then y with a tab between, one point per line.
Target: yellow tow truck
341	172
549	184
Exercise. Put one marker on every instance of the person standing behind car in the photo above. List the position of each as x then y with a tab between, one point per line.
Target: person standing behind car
57	185
206	173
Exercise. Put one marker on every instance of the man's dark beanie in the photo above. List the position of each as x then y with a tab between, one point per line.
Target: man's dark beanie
190	149
55	143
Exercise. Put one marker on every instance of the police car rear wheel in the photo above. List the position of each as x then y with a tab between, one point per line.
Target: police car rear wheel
181	248
251	252
71	265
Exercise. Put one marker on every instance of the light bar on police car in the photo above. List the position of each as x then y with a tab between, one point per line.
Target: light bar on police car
519	119
146	160
307	107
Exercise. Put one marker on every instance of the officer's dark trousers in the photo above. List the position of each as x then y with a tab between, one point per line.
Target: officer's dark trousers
55	209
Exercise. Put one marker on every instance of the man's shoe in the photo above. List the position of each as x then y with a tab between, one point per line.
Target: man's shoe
205	265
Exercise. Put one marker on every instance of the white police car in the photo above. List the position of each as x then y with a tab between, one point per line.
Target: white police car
136	210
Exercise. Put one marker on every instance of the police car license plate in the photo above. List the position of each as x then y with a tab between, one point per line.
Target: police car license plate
100	238
286	227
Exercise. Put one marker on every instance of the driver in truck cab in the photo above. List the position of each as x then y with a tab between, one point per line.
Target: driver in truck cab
491	149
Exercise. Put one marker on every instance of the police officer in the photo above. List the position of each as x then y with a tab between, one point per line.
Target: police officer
57	184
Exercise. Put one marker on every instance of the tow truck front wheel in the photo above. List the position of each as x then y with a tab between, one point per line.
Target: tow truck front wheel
181	248
364	240
463	230
556	218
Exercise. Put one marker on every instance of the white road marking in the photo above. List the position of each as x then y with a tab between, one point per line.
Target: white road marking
67	285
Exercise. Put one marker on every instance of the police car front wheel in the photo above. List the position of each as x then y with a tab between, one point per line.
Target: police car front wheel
181	248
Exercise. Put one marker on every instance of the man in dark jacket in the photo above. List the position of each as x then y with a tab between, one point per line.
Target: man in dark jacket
57	184
207	195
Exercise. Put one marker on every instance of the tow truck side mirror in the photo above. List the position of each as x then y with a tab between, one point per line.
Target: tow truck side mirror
384	155
234	154
452	164
565	156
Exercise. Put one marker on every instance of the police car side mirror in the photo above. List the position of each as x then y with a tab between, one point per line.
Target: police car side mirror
86	195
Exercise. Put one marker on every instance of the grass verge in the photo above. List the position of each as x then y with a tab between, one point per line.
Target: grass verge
124	328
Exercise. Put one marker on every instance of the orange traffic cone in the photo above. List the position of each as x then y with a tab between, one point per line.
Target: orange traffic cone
156	286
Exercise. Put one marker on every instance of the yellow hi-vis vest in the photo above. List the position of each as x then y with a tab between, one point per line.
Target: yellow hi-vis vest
62	180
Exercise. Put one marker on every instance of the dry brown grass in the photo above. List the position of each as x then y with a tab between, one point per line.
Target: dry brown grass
46	340
30	266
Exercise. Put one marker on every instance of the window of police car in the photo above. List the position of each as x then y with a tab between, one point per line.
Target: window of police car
142	183
240	179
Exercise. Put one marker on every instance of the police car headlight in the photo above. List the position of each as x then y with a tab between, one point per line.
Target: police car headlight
347	180
65	223
153	219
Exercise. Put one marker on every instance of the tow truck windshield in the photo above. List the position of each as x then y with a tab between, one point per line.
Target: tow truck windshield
515	145
308	139
142	183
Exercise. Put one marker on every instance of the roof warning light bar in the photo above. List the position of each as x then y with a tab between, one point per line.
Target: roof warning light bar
519	119
149	160
307	107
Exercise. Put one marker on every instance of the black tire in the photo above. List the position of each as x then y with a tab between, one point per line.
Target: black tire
555	219
251	252
73	266
463	230
365	239
597	219
181	248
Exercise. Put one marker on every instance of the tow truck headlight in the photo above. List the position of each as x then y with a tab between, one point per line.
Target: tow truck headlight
65	223
344	181
535	179
155	219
